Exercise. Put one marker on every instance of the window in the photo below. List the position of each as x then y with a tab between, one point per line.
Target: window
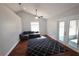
34	26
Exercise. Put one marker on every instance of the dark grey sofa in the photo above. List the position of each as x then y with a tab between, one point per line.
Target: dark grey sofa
29	35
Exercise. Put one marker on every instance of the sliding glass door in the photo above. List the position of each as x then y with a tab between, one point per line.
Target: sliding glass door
73	33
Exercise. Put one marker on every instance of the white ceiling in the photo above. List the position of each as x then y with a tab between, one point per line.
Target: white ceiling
44	9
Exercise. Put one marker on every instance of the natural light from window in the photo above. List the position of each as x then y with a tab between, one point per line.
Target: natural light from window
72	28
34	26
61	30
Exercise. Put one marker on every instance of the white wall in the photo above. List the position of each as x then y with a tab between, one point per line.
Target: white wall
52	28
27	18
10	28
43	26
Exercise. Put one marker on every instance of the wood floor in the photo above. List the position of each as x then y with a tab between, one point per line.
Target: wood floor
21	50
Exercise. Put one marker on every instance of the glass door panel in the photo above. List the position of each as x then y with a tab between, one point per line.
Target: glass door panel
73	33
61	30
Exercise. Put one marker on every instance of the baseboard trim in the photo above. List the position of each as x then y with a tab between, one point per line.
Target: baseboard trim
51	36
12	48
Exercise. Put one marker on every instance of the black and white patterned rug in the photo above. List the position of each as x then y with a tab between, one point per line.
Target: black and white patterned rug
44	47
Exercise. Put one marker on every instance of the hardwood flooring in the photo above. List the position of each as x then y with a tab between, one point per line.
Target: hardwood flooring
21	50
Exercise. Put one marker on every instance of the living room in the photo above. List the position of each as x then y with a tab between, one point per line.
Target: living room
56	21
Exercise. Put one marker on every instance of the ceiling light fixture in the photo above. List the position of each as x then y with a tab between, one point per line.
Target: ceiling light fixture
21	7
36	16
19	3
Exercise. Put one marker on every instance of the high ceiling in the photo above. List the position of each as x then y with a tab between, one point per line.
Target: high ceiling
44	9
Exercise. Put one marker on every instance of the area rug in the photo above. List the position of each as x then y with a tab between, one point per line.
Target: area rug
44	47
